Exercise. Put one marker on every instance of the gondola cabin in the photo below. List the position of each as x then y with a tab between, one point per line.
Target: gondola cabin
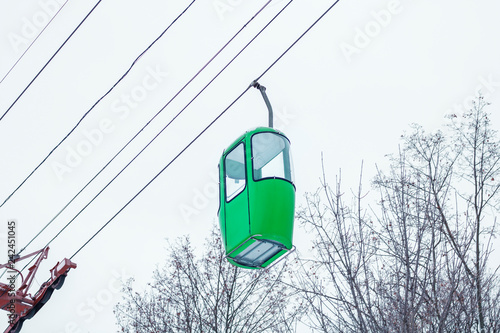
257	198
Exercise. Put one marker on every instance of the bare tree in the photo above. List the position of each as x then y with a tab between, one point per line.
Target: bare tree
418	261
338	283
209	295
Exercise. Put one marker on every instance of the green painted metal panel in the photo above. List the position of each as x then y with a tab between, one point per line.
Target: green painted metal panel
238	225
272	210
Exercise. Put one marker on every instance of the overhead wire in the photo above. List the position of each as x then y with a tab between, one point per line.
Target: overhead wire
206	128
196	138
156	136
203	131
97	102
33	42
50	60
158	174
152	118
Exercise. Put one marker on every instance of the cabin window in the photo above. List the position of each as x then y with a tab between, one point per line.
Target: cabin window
271	156
234	166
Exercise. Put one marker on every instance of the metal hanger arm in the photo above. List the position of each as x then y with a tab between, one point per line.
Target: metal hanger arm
262	89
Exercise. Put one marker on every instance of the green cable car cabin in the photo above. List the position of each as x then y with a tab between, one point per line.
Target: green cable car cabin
257	198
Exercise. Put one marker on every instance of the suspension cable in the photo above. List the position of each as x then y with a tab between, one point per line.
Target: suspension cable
126	166
97	102
150	120
33	42
159	173
48	62
203	131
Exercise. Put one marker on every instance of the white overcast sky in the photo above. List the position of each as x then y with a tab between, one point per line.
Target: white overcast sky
348	89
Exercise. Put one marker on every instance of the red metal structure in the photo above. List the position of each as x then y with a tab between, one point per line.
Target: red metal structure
20	304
